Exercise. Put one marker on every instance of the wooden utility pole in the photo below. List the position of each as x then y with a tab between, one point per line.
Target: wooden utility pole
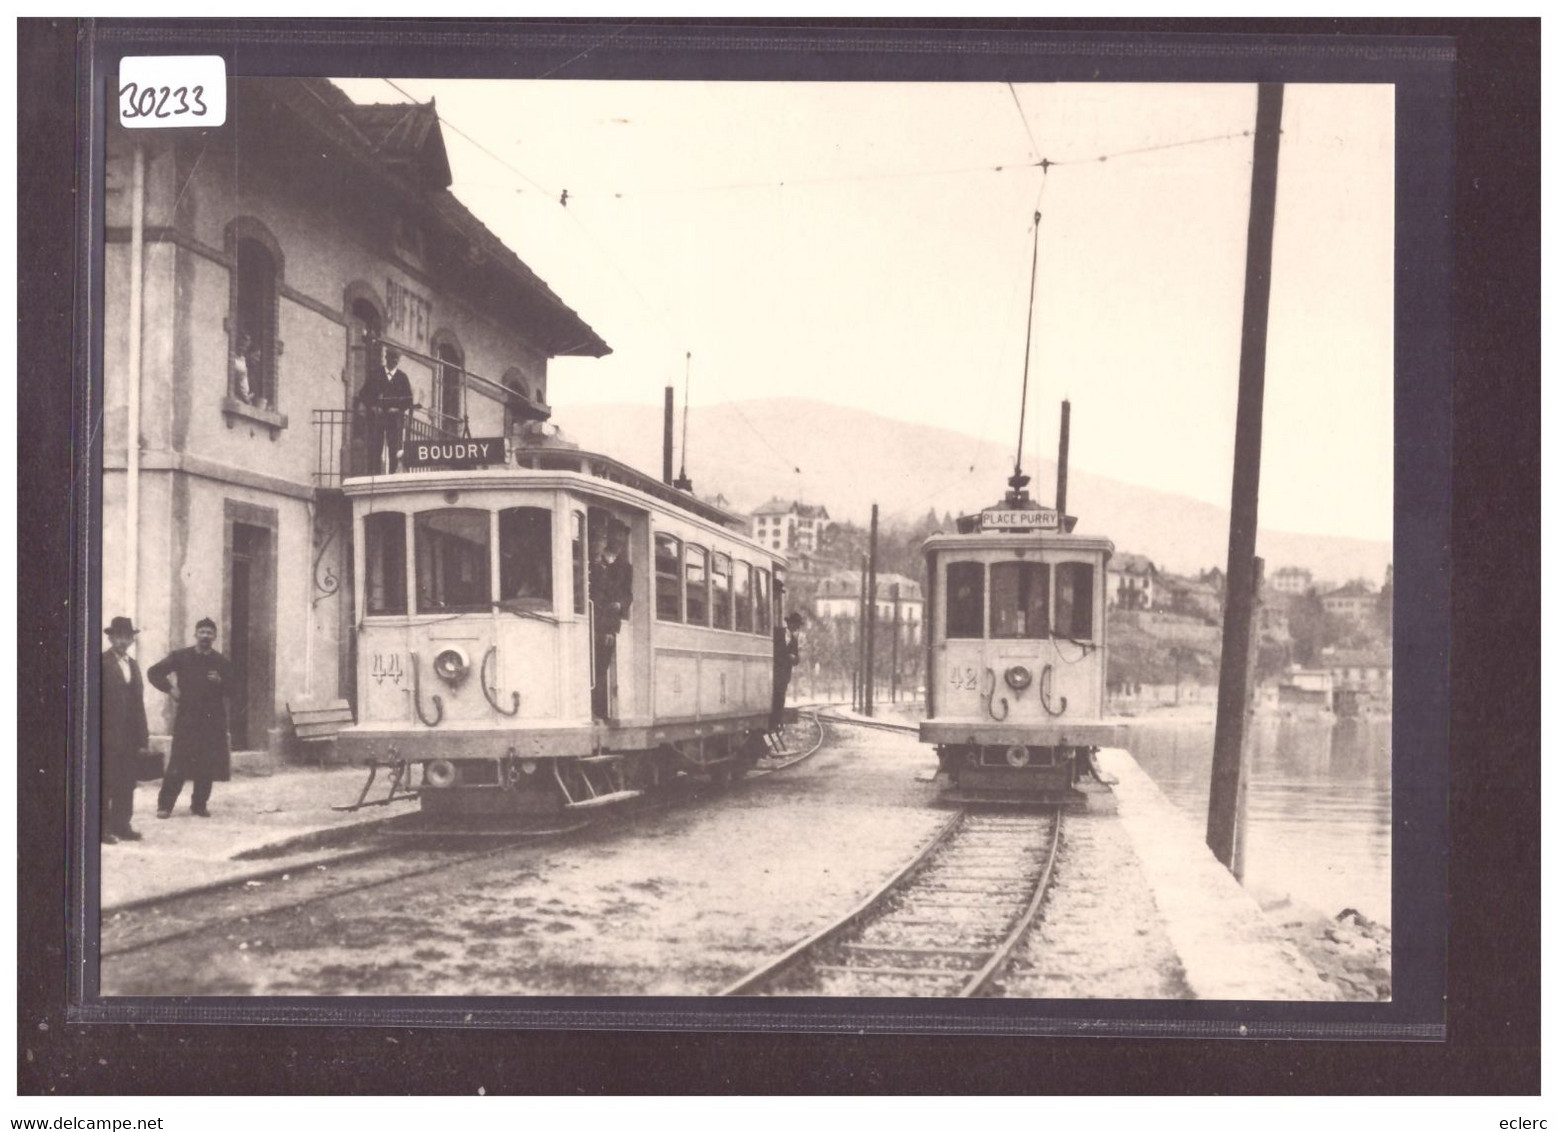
895	642
860	642
870	704
1233	680
1240	824
666	441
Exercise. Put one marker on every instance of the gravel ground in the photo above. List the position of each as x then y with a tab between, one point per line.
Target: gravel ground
679	904
1100	934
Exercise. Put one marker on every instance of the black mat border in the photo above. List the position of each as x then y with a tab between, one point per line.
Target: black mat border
1498	695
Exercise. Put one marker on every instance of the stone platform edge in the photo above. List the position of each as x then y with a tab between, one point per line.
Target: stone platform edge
1227	946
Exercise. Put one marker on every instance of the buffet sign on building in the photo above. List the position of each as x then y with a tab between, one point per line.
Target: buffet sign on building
468	452
410	315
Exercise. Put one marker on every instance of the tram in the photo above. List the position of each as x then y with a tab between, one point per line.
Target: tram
497	675
1016	652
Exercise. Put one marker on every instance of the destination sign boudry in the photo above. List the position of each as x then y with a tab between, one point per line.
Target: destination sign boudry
471	452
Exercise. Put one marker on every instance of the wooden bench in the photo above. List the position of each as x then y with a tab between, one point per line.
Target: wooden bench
317	725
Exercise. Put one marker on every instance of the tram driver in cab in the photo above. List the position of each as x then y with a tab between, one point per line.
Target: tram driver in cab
611	589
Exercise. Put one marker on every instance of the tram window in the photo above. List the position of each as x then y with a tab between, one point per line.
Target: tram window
762	604
525	556
385	534
743	597
1019	599
1074	600
454	563
721	587
697	586
579	546
965	600
668	577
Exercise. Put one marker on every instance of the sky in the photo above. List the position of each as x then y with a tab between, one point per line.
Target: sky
871	245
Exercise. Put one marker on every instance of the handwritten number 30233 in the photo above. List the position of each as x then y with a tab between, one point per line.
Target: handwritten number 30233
152	102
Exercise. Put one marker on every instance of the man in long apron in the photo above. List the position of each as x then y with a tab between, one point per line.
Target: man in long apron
200	684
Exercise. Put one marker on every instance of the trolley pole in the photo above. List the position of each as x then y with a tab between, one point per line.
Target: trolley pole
1233	680
896	610
870	705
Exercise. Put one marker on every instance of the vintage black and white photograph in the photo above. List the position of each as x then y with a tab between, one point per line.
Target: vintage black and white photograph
797	539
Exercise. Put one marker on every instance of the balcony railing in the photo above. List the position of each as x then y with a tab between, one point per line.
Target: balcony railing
342	439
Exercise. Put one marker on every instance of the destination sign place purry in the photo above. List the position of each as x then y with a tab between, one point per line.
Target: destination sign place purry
470	452
1040	519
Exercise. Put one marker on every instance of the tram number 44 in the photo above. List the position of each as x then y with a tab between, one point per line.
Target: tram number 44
386	667
964	679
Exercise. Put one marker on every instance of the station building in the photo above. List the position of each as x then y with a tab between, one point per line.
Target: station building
253	273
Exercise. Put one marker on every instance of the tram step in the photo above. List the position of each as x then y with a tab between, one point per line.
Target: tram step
597	760
600	800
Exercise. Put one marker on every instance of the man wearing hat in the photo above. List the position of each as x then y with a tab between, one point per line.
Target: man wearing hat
200	686
611	589
787	654
123	734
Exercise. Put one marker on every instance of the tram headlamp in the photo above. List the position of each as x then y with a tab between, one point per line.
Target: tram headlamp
530	766
1017	756
438	774
1018	677
452	665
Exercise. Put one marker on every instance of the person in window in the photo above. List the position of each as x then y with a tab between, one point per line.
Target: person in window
385	398
787	654
238	370
611	589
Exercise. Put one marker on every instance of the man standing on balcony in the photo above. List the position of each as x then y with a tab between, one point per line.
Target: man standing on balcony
385	398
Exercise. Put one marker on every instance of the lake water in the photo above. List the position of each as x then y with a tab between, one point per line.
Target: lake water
1318	804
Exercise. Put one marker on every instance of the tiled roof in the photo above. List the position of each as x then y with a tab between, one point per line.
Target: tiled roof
1126	563
1357	658
397	138
1351	589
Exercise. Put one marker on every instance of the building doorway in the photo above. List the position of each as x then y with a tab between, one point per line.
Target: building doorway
251	634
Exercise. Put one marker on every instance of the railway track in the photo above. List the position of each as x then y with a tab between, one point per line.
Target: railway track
826	716
943	926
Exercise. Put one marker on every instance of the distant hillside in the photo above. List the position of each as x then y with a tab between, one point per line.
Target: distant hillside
849	457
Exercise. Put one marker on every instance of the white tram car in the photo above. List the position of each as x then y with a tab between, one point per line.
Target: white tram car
475	646
1016	664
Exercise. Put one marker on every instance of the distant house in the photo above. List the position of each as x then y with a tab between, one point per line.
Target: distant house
838	599
1305	688
1354	601
1132	581
784	524
1360	679
1291	580
1190	596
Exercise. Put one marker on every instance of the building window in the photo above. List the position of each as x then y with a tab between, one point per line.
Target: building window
762	603
454	563
449	387
668	577
721	588
256	277
384	533
743	597
965	600
697	572
1074	601
525	557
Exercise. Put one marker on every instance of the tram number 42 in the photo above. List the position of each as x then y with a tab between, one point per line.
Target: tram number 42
964	679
